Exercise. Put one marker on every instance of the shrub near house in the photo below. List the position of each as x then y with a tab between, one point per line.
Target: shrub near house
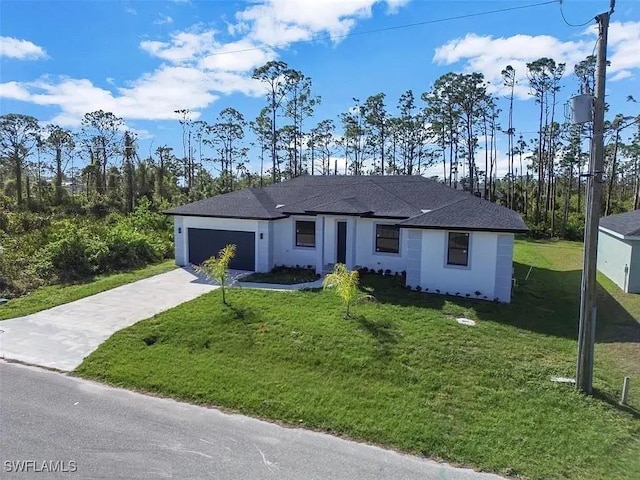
40	250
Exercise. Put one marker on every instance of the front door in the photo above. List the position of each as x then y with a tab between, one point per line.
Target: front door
342	243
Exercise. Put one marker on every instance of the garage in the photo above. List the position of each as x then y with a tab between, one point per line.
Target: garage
205	243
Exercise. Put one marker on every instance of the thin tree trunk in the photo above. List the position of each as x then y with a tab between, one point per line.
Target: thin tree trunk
18	173
486	155
636	196
536	213
613	173
567	199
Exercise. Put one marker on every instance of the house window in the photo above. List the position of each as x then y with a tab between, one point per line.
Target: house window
387	239
305	234
458	249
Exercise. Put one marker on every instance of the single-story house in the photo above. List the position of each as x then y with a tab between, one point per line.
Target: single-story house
619	249
444	239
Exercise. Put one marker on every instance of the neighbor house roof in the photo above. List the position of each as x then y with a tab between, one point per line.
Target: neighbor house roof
413	200
625	224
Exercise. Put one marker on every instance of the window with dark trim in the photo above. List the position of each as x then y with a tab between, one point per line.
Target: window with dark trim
305	233
458	249
387	239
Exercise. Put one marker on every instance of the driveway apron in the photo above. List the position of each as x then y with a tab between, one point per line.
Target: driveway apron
61	337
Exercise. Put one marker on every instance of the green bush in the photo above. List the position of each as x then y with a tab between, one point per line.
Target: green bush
128	248
575	227
72	255
99	209
539	230
45	248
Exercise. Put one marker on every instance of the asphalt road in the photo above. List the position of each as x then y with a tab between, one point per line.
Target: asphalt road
104	432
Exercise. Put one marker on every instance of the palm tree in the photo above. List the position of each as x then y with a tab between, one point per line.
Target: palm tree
345	283
217	268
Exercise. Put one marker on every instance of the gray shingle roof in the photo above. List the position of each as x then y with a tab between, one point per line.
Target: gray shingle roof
470	213
246	203
627	224
403	197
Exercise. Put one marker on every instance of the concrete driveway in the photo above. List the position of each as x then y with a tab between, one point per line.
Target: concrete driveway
63	336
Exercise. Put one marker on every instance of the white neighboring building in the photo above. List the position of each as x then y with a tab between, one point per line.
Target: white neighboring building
445	240
619	250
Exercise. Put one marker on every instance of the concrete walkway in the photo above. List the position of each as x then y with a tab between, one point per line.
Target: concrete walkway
63	336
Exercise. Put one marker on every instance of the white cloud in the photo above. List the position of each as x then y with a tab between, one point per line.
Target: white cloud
240	56
131	10
621	75
14	90
154	96
21	49
182	47
281	22
140	133
489	55
163	20
198	66
624	39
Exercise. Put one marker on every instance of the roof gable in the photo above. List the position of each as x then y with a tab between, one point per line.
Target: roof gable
246	203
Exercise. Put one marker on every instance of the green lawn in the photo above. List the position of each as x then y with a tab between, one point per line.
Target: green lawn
403	373
283	275
618	324
54	295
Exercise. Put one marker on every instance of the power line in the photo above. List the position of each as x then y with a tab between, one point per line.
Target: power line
573	24
395	27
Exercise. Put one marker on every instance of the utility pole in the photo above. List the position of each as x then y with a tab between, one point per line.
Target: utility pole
588	309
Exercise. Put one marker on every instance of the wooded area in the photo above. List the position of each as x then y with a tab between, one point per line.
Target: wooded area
98	177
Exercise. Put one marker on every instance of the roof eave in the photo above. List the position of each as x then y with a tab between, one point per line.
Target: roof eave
350	214
166	212
622	236
465	229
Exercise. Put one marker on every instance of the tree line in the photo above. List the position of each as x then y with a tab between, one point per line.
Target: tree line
456	124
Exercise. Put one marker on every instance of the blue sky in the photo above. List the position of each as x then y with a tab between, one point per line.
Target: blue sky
143	60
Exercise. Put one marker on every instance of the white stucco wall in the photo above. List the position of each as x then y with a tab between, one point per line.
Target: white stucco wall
504	267
479	275
285	251
614	254
634	268
179	245
366	255
264	262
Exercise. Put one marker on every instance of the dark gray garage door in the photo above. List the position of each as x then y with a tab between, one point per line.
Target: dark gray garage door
205	243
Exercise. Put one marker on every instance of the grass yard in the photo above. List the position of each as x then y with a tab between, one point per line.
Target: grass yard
403	373
54	295
283	276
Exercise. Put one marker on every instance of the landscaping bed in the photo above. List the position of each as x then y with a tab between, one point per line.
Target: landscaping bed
402	372
284	276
